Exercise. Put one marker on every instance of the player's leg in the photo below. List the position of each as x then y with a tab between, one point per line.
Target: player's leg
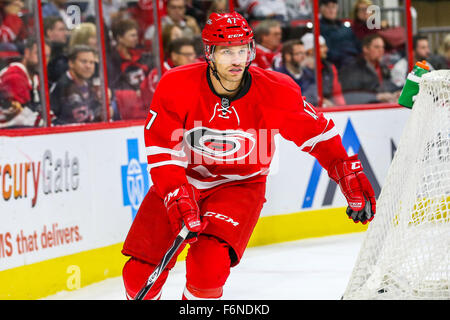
135	274
148	239
207	268
232	212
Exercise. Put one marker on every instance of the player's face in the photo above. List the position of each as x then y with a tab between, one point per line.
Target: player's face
231	61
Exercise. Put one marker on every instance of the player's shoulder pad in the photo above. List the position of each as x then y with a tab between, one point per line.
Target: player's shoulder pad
182	73
280	82
177	85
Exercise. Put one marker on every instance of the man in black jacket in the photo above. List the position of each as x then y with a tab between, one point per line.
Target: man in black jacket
56	33
366	80
73	98
341	41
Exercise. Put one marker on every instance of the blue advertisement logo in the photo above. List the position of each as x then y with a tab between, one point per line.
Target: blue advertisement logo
135	179
351	141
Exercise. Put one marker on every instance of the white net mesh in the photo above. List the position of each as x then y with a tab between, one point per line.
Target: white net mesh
406	250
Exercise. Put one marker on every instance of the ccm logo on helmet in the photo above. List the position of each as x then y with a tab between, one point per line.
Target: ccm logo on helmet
235	35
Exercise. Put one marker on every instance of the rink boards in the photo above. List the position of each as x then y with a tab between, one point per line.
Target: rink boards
67	199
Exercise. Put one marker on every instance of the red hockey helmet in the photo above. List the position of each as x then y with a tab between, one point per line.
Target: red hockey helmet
227	29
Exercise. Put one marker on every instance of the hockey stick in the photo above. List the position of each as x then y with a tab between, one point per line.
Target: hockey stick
182	235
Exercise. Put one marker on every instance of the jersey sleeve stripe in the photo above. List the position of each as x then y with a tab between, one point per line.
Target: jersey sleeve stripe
154	150
206	184
183	164
203	171
311	143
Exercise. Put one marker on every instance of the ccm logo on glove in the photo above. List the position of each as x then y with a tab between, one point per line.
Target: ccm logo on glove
356	165
170	195
348	174
182	207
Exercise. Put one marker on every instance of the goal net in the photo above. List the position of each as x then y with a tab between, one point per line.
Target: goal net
406	250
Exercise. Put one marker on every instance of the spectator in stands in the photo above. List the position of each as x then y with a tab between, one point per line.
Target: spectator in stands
442	59
180	52
268	35
421	48
84	33
56	34
331	86
170	32
292	56
445	51
113	9
10	22
263	9
218	6
9	52
341	41
55	30
421	51
20	103
57	8
176	14
366	80
360	16
142	12
198	10
299	9
126	53
73	99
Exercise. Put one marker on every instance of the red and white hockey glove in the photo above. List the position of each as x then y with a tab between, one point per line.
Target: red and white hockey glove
182	206
355	186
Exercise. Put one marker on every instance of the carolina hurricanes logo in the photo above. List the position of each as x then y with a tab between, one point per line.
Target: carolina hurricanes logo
226	145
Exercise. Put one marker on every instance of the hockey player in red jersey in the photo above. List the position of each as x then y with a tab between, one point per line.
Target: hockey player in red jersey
209	139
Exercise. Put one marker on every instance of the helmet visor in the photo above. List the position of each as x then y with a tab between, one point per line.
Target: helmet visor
233	55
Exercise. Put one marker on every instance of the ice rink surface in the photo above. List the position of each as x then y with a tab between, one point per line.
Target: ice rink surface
310	269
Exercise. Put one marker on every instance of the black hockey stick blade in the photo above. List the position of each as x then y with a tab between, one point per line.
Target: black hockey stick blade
182	235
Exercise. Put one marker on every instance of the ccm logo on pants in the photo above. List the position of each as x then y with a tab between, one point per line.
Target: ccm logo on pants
221	217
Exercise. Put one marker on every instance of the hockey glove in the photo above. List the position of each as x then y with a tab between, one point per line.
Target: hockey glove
355	186
182	206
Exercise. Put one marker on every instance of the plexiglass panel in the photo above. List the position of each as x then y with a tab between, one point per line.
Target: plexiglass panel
73	71
21	100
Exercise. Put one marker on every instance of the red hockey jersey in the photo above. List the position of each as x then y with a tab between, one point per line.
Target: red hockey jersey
148	86
19	85
194	135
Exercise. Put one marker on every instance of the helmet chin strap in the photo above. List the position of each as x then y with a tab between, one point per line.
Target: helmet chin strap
216	75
